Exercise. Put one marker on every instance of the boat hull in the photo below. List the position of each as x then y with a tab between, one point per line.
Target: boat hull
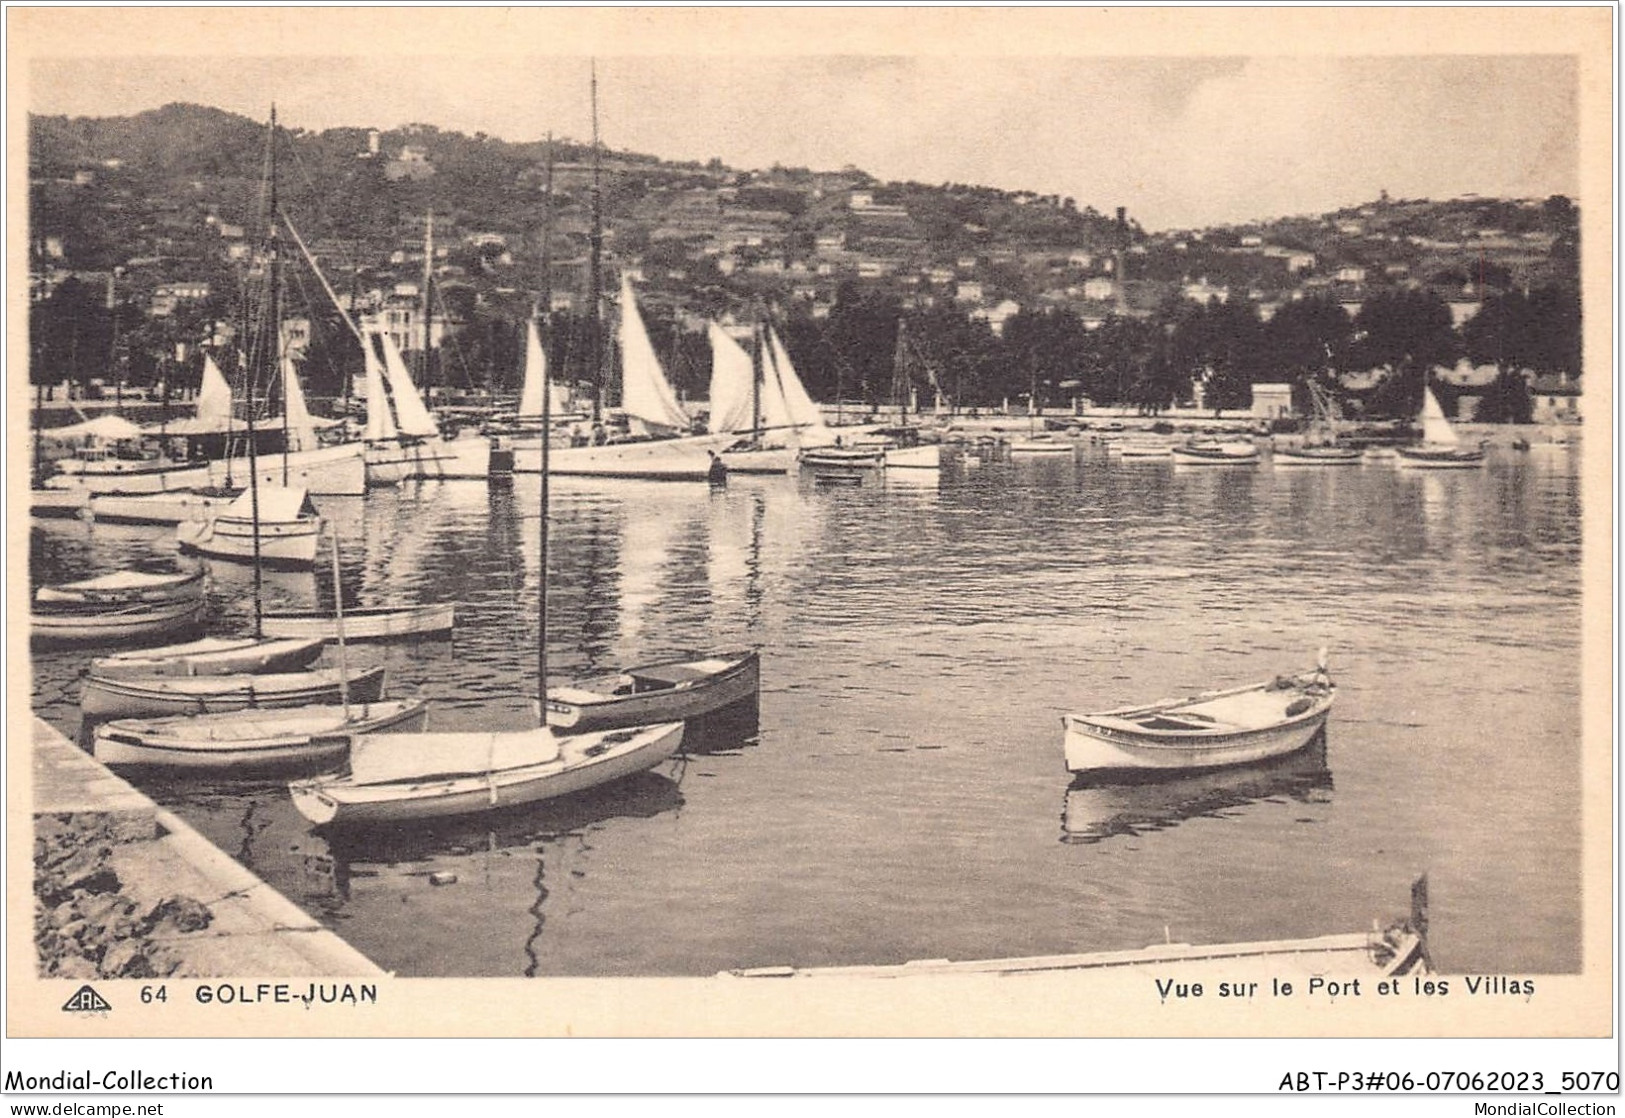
212	656
300	736
684	459
925	457
844	458
282	543
1318	456
136	588
123	625
1411	458
769	460
1089	750
156	696
155	508
591	707
338	471
1233	455
582	762
66	503
361	624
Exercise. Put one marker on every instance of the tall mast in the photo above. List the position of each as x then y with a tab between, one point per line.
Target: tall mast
901	383
595	344
118	372
546	313
275	316
428	278
259	349
756	371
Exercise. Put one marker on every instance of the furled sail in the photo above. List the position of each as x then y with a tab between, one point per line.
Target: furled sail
646	395
732	375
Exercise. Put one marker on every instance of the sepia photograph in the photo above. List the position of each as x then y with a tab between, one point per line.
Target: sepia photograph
780	523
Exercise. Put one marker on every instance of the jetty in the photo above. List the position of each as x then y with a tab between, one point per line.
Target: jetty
124	888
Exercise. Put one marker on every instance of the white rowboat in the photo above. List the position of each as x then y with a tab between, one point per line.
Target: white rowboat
399	777
674	690
361	623
115	624
123	588
298	735
1209	730
160	695
211	656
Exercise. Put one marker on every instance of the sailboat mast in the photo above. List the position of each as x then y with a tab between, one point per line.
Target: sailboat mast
428	278
756	367
275	312
595	343
259	349
901	384
546	314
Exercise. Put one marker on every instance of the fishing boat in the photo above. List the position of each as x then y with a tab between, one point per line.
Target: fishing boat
114	624
123	588
1317	456
1209	730
404	777
868	457
211	656
283	533
362	623
104	697
1440	448
1215	452
668	691
300	735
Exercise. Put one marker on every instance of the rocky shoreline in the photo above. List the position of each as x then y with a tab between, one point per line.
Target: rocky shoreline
86	923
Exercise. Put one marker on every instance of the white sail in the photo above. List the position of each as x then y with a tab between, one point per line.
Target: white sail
213	397
380	424
646	395
301	430
799	406
414	418
731	376
1436	429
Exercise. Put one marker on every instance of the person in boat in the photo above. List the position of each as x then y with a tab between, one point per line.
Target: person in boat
599	435
717	473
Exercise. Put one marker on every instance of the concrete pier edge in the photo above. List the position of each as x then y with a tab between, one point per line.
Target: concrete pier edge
269	934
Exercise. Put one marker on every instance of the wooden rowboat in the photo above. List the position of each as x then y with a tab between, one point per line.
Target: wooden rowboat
1206	453
298	735
123	588
160	695
398	777
74	625
211	656
1209	730
670	691
360	624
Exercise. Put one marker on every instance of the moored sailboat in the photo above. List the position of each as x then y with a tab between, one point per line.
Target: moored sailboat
1441	448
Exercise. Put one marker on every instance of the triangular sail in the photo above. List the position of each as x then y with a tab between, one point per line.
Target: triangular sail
214	396
775	410
414	418
802	411
646	395
301	431
731	376
380	424
536	382
1436	429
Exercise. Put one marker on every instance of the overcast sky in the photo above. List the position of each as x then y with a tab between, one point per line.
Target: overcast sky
1181	142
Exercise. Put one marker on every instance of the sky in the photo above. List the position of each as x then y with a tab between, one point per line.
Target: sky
1181	141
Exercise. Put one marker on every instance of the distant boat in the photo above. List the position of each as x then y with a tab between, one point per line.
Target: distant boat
362	622
123	588
211	656
288	528
157	508
1042	444
1440	449
1209	730
404	777
114	624
669	691
104	697
1141	448
1317	456
871	457
745	400
302	735
1214	452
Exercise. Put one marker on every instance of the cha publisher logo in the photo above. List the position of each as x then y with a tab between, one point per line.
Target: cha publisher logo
86	1000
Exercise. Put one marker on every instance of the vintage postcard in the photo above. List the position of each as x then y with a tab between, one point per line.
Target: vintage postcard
879	523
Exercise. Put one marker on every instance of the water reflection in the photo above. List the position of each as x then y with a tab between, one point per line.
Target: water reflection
1096	811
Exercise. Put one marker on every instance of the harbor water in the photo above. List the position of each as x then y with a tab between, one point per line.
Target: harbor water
903	794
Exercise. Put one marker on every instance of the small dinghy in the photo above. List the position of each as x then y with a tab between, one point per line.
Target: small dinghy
123	588
1237	452
151	696
402	777
299	735
211	656
376	623
51	626
1209	730
1318	456
670	691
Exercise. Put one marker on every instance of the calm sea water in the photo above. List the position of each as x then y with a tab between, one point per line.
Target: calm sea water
904	795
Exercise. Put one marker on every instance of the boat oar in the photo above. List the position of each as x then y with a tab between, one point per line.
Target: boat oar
338	625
